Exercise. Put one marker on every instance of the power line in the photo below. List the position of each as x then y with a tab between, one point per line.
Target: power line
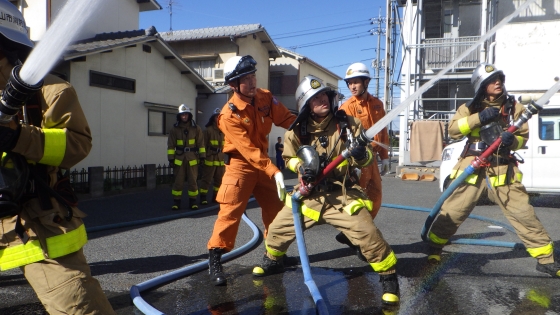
323	31
318	28
329	41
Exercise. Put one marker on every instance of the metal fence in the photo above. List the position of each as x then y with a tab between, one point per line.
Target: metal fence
118	178
439	52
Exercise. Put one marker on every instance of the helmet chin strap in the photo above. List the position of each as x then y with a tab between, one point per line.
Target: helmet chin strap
238	90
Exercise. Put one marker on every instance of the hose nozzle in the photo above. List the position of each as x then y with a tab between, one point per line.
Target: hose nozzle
15	95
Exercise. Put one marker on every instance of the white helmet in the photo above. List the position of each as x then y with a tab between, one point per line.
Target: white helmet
484	74
357	69
238	66
13	26
307	88
183	109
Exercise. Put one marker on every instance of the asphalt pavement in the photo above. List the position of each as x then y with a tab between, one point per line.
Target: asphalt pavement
470	280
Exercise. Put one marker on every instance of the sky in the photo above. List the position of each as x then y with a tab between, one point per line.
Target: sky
332	33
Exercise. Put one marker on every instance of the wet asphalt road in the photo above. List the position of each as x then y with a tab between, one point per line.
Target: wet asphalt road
470	280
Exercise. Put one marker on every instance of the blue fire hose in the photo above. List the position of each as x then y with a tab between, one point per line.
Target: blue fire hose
302	249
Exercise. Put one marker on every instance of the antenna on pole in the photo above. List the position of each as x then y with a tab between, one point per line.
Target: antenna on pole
170	4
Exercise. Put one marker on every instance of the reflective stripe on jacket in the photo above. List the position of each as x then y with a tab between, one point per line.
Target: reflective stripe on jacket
62	139
354	199
177	140
57	246
214	139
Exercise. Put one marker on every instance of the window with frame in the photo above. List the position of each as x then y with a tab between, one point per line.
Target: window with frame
160	122
549	124
203	67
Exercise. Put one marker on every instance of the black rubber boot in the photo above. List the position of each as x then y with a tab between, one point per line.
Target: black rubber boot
217	275
176	204
269	267
343	239
193	204
203	200
552	269
390	284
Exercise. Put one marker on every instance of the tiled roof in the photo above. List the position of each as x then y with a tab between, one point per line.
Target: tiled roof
106	41
211	32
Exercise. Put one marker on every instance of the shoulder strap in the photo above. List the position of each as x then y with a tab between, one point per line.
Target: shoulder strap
303	134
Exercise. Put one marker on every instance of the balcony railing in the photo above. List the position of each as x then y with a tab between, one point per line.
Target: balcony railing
439	52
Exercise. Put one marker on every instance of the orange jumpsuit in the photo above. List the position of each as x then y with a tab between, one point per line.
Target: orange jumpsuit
250	170
369	112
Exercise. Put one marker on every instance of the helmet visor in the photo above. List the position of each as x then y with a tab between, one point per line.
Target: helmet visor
246	64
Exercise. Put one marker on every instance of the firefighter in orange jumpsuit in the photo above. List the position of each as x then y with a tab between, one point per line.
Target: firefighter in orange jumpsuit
213	167
369	110
246	121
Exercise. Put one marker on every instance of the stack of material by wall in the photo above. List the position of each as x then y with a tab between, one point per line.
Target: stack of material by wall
426	141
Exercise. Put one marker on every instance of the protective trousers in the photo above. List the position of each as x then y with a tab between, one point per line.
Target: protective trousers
65	286
514	202
370	181
191	172
241	180
209	174
359	228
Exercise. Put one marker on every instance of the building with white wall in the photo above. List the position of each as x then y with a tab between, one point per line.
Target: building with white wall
437	32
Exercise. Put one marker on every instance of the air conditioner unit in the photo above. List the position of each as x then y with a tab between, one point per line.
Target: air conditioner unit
218	74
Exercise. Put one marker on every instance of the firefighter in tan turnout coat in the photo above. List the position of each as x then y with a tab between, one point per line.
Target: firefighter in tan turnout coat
482	120
185	147
316	137
213	167
41	229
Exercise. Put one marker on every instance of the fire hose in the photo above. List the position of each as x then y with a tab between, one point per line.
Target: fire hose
297	197
532	109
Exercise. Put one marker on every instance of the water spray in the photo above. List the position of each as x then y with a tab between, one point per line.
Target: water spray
27	79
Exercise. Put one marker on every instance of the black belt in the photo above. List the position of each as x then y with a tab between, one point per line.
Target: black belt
216	150
185	149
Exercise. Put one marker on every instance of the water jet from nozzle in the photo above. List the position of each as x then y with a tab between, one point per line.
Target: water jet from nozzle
26	80
67	25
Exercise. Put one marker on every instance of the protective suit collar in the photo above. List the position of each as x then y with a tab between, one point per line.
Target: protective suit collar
317	127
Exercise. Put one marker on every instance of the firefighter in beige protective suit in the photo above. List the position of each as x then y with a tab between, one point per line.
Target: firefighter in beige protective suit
316	137
41	230
213	167
185	148
482	121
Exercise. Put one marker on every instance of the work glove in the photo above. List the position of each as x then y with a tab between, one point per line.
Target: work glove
384	167
488	115
359	152
279	178
507	139
9	135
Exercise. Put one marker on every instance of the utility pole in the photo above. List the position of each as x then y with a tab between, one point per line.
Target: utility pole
377	63
170	7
